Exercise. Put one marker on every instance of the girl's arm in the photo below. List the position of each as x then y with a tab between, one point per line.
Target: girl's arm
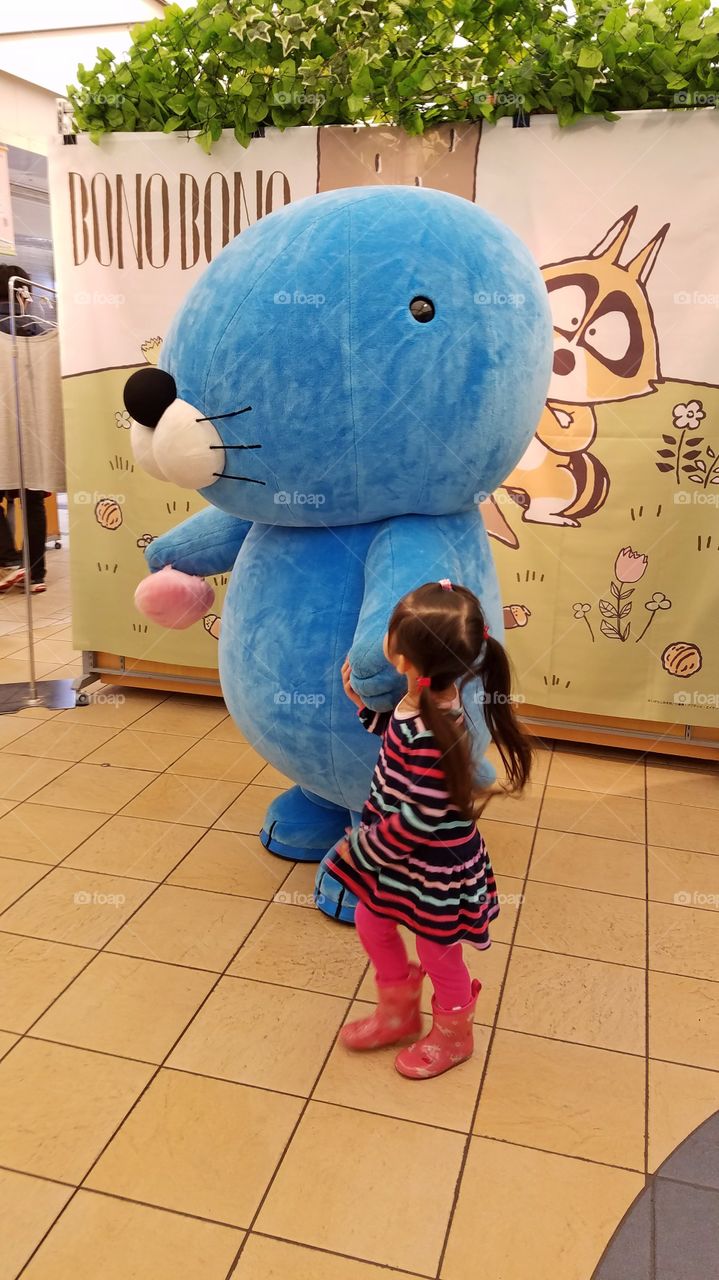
373	721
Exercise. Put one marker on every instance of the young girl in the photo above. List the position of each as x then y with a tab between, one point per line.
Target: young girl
417	857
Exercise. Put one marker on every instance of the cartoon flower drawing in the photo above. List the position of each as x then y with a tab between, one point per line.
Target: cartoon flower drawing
683	453
581	611
688	415
658	602
123	419
629	566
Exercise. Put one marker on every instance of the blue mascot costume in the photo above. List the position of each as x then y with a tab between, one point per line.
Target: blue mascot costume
346	381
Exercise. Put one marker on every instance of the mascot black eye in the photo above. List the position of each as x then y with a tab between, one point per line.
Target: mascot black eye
422	309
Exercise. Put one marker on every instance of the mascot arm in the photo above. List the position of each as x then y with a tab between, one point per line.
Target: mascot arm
205	544
406	552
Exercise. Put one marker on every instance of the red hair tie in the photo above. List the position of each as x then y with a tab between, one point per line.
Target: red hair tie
423	682
486	633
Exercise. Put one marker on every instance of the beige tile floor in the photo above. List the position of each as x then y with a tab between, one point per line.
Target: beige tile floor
173	1101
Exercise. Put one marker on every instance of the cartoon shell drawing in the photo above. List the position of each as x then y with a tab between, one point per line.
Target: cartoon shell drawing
516	615
211	623
108	513
682	659
145	540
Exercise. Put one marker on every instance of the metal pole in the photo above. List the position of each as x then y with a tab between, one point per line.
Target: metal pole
33	700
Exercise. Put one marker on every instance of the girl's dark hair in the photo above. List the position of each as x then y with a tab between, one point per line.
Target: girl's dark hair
442	633
6	274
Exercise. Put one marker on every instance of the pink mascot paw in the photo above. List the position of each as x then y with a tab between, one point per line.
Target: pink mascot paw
174	599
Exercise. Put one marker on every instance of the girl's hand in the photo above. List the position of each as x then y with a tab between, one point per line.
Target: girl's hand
343	850
351	694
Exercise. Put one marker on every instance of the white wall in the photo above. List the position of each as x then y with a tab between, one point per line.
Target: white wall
43	41
28	115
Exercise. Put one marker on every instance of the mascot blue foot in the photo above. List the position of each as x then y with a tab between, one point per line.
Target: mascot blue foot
301	826
332	897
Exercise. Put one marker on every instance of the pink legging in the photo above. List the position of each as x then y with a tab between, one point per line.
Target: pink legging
445	965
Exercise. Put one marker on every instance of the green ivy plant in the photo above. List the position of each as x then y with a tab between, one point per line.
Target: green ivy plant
413	63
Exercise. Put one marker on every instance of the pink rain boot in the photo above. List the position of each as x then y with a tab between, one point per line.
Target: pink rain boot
449	1042
397	1015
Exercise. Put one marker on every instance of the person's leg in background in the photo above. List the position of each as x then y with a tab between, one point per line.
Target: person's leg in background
37	534
10	570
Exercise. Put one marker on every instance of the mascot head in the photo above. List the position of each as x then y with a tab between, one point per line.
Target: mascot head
360	354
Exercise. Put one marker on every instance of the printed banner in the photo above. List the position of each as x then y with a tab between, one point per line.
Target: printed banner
606	534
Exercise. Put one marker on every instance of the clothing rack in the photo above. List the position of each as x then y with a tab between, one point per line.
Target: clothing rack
53	694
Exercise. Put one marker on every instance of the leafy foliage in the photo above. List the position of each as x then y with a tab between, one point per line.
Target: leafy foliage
412	63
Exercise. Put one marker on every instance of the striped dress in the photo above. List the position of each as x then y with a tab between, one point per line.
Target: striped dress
414	858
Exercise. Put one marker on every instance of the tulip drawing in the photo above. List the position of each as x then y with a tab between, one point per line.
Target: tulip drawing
629	567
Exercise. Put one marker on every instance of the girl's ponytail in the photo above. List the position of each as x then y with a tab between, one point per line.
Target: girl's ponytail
493	670
451	738
440	629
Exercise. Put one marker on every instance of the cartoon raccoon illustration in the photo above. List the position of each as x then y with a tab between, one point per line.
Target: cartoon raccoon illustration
605	349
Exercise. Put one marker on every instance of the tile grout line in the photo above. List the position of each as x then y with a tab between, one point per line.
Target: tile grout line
124	875
332	995
490	1042
90	960
224	974
303	1111
60	865
331	1253
141	1094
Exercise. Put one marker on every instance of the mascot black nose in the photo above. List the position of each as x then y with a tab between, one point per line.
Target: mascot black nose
147	394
